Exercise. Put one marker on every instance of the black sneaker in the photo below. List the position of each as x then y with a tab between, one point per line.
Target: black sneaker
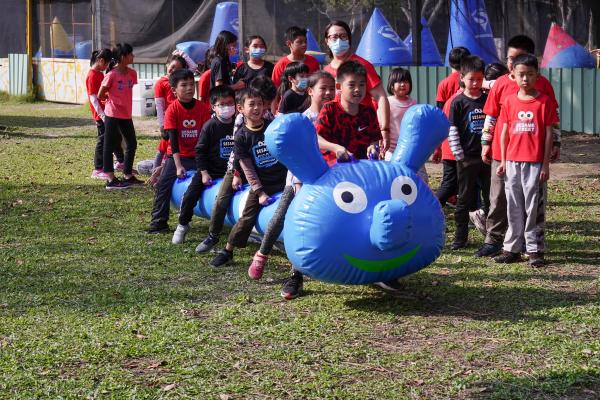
116	184
458	245
292	286
133	181
153	229
392	285
222	258
508	257
207	244
536	260
489	250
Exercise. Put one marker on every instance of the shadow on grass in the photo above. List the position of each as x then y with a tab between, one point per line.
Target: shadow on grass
473	295
32	121
578	384
89	252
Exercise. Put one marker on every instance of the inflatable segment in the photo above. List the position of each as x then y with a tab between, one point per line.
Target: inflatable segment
206	203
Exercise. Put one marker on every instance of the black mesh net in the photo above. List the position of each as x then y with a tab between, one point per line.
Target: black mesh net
12	27
67	28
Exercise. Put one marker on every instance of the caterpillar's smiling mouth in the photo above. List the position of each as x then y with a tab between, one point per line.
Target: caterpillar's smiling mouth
382	265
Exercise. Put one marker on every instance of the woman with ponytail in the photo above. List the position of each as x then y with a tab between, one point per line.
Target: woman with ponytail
221	68
118	84
98	63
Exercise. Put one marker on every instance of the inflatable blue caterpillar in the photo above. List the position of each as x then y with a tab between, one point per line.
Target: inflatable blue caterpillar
357	222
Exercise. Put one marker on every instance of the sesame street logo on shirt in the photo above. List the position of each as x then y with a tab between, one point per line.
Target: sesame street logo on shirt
189	132
262	157
525	123
476	120
226	147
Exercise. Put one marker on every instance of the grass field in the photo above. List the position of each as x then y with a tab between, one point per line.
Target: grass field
92	307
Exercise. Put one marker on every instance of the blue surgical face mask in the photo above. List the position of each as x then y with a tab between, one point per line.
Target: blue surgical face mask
339	46
302	83
257	52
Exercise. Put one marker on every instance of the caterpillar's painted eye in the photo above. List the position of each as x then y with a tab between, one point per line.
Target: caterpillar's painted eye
404	188
350	197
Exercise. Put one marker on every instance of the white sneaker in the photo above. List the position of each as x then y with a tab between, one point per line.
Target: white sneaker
478	219
180	232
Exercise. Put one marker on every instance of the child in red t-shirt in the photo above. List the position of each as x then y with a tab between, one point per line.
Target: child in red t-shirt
163	97
496	221
295	40
98	63
526	147
183	121
346	128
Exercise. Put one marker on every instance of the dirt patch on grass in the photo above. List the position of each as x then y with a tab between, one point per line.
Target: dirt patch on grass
580	158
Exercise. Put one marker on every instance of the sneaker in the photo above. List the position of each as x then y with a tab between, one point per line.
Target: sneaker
488	250
153	229
180	232
452	201
222	258
133	181
257	266
478	219
508	257
99	174
392	285
292	286
116	184
207	244
120	166
458	245
536	260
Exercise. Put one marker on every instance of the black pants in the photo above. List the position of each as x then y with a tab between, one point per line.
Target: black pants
98	158
191	197
115	129
470	171
164	187
449	184
238	237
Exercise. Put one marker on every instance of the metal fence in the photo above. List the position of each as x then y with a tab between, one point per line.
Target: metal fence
577	91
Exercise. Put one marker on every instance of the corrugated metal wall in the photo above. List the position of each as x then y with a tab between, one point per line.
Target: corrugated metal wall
17	74
577	91
149	71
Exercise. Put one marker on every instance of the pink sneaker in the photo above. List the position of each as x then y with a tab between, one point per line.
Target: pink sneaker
119	166
258	266
99	174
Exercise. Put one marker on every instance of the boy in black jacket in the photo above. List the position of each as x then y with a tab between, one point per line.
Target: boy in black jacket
264	173
212	152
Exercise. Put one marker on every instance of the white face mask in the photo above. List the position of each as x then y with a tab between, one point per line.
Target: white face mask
225	112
